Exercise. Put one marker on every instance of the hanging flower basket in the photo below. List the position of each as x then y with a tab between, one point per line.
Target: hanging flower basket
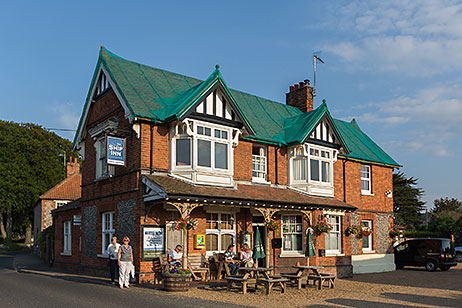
322	227
353	229
365	232
273	225
186	223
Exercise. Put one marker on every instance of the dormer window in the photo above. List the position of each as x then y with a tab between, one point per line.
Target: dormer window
259	163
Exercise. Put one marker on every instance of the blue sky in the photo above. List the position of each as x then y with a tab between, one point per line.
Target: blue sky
395	66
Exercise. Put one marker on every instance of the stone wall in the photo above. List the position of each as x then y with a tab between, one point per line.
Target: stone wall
354	239
90	223
126	220
382	233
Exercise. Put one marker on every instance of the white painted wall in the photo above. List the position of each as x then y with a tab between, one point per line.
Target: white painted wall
373	263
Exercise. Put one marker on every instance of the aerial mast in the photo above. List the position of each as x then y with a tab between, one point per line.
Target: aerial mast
316	58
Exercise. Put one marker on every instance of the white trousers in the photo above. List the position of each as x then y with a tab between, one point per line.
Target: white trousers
124	273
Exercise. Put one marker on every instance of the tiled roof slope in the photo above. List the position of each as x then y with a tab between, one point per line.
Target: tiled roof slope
67	189
266	194
163	96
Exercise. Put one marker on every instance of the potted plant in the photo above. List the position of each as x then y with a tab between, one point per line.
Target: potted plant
176	279
322	227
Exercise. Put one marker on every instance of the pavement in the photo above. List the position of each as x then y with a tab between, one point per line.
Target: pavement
25	281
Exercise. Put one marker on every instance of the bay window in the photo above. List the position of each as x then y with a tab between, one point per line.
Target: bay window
366	179
320	164
334	237
299	166
292	233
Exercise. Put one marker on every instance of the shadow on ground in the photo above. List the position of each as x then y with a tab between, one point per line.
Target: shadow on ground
427	300
417	277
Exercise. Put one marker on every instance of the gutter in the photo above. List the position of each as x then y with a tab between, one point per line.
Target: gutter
151	127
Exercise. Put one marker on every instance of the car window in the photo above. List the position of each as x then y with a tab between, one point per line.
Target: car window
433	245
446	246
402	247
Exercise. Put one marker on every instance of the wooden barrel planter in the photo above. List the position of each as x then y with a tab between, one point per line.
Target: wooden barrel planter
176	282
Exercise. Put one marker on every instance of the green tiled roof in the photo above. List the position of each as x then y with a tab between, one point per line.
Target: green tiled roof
163	96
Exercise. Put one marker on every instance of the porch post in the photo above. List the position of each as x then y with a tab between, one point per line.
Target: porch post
267	214
185	209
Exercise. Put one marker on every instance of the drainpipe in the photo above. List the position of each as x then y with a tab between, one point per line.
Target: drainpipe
150	150
276	180
344	181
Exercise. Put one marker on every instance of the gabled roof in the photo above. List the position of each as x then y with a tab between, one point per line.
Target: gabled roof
67	189
362	147
161	96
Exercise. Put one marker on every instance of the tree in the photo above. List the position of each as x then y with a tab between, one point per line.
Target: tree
407	203
31	162
447	208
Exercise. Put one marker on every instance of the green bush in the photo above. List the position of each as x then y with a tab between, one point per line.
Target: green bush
12	246
423	234
42	238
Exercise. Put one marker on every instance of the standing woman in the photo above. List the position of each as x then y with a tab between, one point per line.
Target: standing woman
113	252
125	258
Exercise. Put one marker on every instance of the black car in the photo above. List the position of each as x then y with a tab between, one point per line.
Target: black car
432	253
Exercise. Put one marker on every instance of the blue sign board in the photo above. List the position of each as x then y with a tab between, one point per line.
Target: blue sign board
115	151
153	241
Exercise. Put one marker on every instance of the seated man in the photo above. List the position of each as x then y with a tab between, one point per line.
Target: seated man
228	257
175	257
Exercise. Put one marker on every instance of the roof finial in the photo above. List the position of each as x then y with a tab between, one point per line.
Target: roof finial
323	101
217	67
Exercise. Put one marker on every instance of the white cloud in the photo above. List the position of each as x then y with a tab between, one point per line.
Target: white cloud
66	117
410	37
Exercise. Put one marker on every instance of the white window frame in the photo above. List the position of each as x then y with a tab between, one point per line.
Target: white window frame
366	179
103	170
260	175
219	232
104	231
299	232
339	232
67	239
369	239
304	152
60	203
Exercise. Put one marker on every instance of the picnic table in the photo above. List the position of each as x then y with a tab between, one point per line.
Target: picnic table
317	277
262	275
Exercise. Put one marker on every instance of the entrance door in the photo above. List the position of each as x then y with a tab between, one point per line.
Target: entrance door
261	228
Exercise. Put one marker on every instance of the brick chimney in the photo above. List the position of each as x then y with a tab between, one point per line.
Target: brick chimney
73	167
301	96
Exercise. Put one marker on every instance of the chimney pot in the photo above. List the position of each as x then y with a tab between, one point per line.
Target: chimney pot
75	160
296	86
307	82
302	84
291	88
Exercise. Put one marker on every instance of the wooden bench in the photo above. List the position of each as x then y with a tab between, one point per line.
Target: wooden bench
159	264
321	278
239	280
296	279
270	282
199	265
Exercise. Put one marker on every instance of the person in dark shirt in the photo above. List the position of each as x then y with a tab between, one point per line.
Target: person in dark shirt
228	257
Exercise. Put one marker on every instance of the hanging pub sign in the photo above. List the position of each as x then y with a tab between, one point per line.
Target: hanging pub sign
153	241
115	150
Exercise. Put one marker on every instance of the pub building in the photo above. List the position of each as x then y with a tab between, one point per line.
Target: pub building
157	146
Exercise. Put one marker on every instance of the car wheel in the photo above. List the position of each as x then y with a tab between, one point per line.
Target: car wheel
430	266
445	268
459	256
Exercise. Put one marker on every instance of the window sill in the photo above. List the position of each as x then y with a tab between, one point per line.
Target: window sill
333	254
366	193
260	181
292	255
103	256
368	251
66	253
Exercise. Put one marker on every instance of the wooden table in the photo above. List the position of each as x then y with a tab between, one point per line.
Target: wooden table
262	276
316	276
299	275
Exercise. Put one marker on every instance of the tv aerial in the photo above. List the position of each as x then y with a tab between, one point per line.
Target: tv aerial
316	58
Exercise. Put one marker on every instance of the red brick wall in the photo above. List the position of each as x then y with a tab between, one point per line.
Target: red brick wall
243	161
59	219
